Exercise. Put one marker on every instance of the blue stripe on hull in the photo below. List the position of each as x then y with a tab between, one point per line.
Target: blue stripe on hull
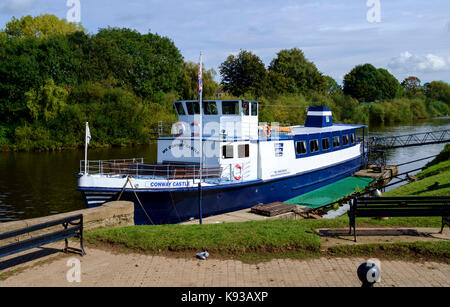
169	207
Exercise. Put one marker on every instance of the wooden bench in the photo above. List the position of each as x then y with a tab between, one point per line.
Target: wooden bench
399	207
72	228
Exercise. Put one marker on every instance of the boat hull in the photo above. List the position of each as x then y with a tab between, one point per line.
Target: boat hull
180	205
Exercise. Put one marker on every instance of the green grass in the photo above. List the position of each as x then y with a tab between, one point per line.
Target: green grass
437	173
229	238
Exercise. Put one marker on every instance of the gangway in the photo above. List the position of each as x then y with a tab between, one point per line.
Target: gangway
408	140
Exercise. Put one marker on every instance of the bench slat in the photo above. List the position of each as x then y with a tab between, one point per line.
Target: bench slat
22	231
39	241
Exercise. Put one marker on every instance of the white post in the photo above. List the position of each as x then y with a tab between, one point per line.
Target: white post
85	147
201	121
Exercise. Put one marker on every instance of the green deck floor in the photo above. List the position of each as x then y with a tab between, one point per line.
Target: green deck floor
331	193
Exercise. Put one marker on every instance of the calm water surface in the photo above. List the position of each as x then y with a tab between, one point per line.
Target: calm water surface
41	184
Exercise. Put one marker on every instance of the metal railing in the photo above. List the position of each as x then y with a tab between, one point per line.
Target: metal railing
417	139
137	169
110	166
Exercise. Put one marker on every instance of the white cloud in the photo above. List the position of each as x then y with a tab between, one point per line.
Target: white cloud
408	62
16	6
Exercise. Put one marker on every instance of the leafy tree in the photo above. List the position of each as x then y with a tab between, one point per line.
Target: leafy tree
244	73
147	63
332	85
388	86
189	82
368	84
411	86
438	90
47	102
19	71
301	74
41	27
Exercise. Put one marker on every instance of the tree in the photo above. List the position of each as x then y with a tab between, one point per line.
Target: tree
189	82
438	90
332	85
301	74
368	84
388	86
149	64
41	27
411	86
47	102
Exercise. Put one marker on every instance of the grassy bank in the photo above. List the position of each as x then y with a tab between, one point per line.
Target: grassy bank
259	241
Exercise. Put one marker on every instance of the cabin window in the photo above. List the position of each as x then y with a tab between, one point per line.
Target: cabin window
246	108
301	148
345	140
244	151
179	108
314	146
193	108
227	152
254	109
352	138
210	108
336	142
230	107
325	144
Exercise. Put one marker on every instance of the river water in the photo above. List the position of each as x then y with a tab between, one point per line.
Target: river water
41	184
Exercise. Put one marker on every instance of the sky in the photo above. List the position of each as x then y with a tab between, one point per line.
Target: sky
407	37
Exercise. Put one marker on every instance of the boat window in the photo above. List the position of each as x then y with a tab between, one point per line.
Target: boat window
227	152
352	138
179	108
246	108
314	145
301	148
336	142
193	108
254	109
345	140
210	108
244	151
230	107
325	144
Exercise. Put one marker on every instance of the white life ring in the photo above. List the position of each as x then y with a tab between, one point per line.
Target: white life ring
237	167
178	129
267	131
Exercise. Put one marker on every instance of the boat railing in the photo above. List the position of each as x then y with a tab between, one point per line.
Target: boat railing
137	168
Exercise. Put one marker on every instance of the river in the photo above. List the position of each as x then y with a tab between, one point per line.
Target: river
41	184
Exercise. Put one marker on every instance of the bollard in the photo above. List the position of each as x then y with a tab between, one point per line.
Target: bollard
369	274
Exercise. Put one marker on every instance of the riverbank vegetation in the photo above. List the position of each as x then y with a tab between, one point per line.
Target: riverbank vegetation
54	77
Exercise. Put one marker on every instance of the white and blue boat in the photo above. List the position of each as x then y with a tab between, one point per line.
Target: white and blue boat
234	162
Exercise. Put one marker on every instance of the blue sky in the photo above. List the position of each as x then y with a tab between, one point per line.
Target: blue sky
412	37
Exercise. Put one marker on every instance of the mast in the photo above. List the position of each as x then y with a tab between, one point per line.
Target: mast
200	92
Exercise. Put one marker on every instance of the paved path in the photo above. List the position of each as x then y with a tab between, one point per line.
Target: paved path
103	268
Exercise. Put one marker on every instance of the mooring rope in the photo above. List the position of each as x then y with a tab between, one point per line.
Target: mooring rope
135	194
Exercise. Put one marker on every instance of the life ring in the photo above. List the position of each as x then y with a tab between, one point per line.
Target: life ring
178	129
239	167
267	131
193	124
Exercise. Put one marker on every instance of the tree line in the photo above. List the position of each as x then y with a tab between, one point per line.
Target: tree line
54	77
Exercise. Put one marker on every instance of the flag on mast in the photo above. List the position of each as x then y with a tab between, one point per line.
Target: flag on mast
200	82
88	134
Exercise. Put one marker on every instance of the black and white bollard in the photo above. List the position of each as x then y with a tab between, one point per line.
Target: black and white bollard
369	274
